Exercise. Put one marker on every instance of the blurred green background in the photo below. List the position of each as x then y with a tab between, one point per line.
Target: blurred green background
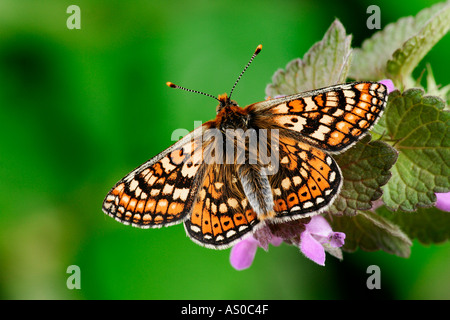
79	109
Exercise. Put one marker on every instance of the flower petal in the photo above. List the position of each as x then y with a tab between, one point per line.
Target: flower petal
389	84
311	248
443	201
337	239
319	226
276	241
243	253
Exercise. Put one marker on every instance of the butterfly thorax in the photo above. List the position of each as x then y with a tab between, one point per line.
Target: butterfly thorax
234	123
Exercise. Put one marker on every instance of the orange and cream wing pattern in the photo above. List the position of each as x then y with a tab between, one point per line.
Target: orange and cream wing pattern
307	182
221	214
162	190
179	185
331	118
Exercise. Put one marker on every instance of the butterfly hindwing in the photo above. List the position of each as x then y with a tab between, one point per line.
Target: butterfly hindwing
307	182
221	214
331	118
162	190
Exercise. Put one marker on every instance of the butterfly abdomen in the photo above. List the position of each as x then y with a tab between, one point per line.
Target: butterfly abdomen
257	189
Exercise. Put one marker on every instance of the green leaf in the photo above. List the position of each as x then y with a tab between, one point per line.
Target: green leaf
369	62
326	63
428	225
435	90
405	59
419	128
365	168
371	232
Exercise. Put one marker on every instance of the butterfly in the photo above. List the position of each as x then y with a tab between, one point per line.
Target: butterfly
221	198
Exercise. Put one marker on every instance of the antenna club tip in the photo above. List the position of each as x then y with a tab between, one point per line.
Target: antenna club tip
258	49
170	84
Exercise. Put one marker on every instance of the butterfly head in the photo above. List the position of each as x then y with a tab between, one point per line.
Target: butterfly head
225	101
230	115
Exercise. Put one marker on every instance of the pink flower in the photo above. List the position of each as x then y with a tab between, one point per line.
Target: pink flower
318	237
389	84
443	201
243	253
313	238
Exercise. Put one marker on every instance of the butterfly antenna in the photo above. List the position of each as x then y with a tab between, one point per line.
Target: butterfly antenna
172	85
258	50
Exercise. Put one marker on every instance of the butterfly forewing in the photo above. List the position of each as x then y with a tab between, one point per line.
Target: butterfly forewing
331	118
162	190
